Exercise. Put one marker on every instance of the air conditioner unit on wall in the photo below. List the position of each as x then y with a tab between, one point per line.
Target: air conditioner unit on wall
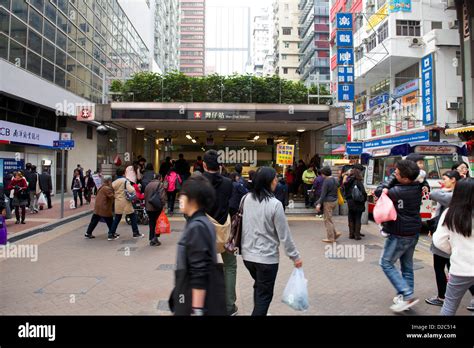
453	25
450	105
415	42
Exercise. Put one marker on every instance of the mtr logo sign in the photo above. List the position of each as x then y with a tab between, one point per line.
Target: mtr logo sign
85	113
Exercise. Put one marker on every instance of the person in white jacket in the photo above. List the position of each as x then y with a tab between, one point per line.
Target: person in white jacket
454	236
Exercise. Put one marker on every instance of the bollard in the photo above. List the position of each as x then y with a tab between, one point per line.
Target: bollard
365	214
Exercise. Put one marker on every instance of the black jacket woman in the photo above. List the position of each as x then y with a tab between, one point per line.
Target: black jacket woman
355	195
199	279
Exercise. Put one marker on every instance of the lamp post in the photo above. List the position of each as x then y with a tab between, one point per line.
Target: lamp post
65	134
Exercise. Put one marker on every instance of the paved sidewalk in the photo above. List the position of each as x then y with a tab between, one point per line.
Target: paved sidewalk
77	276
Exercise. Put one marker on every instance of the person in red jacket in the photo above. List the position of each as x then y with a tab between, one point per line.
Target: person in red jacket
138	190
20	198
290	179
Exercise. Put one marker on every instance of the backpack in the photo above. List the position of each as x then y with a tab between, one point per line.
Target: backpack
155	198
357	195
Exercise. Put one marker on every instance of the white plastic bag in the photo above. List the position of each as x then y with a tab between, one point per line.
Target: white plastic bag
295	294
42	199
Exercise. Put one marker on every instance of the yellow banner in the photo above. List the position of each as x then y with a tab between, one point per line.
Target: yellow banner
285	154
377	17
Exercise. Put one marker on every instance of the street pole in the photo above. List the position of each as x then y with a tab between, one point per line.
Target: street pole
62	182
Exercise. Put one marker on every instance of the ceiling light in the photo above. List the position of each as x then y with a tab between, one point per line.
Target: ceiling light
140	128
301	130
111	140
222	129
194	141
256	137
189	136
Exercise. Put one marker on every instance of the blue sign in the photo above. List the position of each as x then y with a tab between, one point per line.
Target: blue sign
343	20
345	92
406	88
8	165
400	5
427	89
409	138
380	99
345	74
345	56
354	148
63	144
344	38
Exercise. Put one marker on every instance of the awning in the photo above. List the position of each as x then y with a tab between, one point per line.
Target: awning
340	150
459	130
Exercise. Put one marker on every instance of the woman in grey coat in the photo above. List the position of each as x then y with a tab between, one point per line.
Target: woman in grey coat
264	227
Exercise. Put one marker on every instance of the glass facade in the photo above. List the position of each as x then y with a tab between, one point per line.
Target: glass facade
80	45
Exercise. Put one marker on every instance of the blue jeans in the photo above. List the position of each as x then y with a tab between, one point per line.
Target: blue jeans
400	248
118	217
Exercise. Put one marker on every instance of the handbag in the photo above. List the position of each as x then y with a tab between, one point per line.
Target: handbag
357	195
130	196
3	231
222	233
162	224
233	244
340	198
155	199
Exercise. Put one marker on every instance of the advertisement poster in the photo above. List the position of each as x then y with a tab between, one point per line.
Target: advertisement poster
285	154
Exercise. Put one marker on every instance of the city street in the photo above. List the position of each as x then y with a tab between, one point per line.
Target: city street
76	276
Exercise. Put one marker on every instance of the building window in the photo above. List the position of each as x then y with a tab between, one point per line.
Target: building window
371	42
286	31
359	53
382	32
436	25
408	28
406	75
285	71
458	67
89	131
287	44
382	86
287	7
284	57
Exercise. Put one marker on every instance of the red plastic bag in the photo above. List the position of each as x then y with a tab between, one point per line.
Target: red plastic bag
384	210
162	224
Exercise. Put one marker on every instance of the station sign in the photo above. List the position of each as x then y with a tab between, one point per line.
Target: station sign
63	144
222	115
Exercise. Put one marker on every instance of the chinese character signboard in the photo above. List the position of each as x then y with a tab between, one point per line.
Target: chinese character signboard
427	90
285	154
18	133
400	6
345	57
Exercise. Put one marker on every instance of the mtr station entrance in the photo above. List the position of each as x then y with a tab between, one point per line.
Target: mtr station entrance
242	133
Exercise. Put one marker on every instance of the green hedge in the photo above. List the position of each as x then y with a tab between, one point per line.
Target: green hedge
177	87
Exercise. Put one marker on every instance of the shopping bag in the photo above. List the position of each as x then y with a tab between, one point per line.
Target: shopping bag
162	224
295	294
3	231
42	199
384	210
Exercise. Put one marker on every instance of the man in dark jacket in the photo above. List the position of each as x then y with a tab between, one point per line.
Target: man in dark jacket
182	167
281	191
165	167
404	231
219	211
33	188
46	186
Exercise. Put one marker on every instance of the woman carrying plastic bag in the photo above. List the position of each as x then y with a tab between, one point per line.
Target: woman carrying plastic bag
295	294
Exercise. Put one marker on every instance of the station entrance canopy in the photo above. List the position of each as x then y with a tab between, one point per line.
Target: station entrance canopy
211	116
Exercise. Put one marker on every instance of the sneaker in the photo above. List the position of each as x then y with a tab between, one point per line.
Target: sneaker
403	305
36	211
23	222
319	217
435	301
114	237
383	234
471	306
155	243
138	235
116	234
328	241
234	311
338	234
397	299
89	236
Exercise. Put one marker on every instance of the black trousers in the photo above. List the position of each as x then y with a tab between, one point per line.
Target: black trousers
307	200
440	264
95	219
17	212
264	276
77	193
47	194
152	217
171	200
355	221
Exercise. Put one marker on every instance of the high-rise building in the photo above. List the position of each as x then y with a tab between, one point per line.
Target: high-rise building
407	85
262	43
192	31
314	48
228	37
287	39
167	20
55	56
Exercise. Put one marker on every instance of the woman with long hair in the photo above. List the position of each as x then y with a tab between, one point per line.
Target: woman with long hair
172	179
20	196
354	192
454	236
264	227
463	169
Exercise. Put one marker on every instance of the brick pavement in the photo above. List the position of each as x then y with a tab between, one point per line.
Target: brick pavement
78	276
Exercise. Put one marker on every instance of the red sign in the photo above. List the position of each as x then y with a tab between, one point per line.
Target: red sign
435	150
349	129
374	132
198	115
85	113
